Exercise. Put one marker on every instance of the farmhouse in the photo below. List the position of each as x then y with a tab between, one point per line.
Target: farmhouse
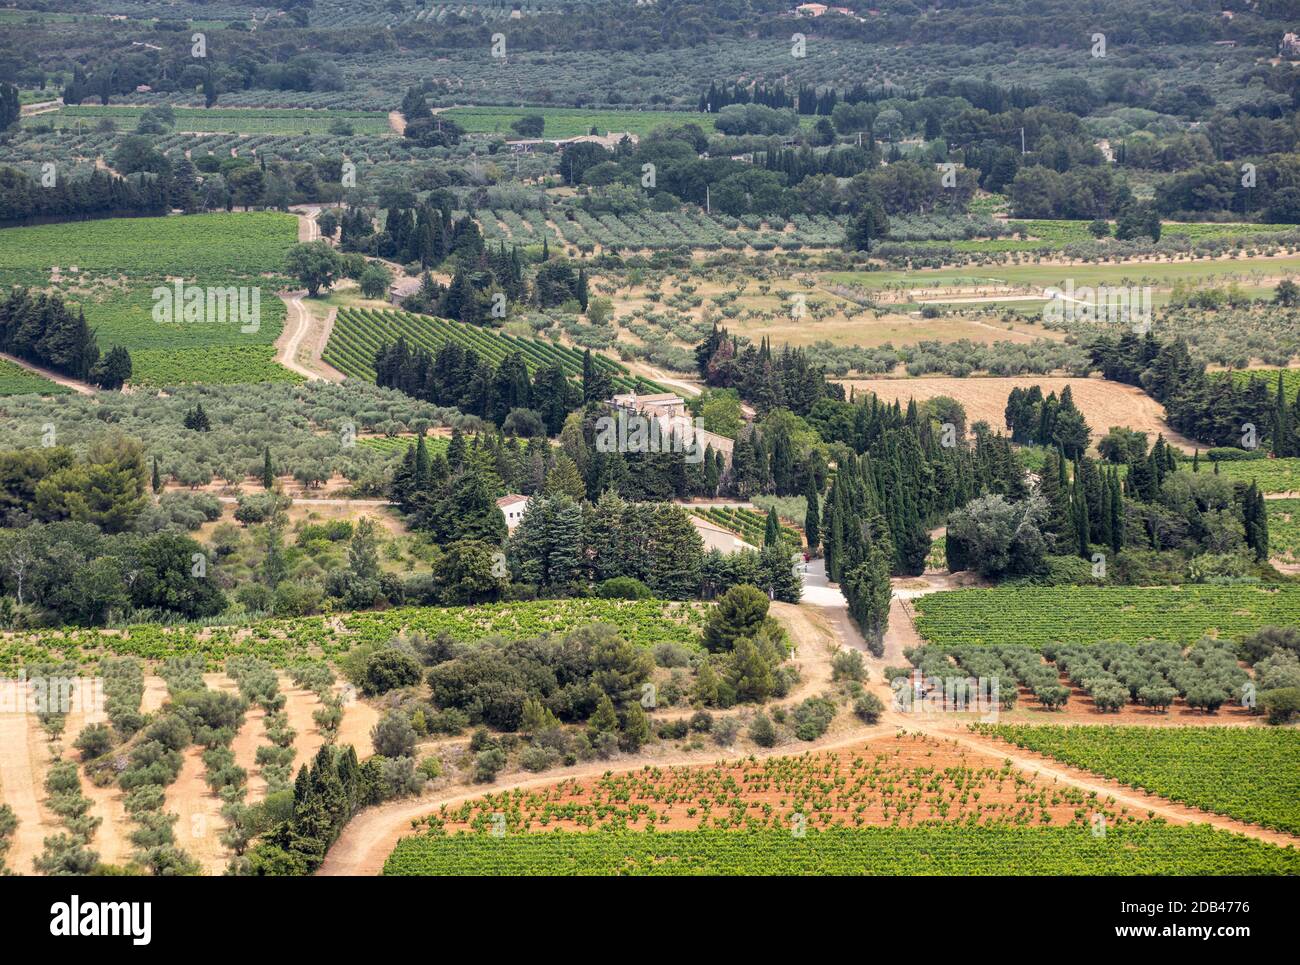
669	412
402	288
513	508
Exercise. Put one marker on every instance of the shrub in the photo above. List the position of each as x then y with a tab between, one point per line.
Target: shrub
848	665
393	736
762	731
1282	706
812	717
94	741
868	707
388	669
623	588
488	764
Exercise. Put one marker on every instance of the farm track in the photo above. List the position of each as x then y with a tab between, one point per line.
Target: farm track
301	325
74	384
22	760
111	837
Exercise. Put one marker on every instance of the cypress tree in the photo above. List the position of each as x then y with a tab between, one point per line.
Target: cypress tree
268	473
772	533
812	516
1116	513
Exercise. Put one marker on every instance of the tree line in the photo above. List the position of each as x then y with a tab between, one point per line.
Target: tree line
42	329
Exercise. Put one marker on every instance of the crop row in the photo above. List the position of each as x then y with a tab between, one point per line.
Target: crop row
1147	849
1039	616
360	332
643	622
750	525
1251	774
658	230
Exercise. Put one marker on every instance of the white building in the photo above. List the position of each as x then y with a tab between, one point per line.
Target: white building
513	508
669	411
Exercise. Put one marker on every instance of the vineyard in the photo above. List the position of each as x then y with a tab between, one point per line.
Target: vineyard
749	525
16	380
1244	773
360	332
901	781
397	445
1038	616
643	622
1149	849
111	267
1271	475
1284	528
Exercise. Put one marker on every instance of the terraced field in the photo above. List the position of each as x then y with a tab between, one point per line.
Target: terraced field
1038	616
1245	773
748	524
360	332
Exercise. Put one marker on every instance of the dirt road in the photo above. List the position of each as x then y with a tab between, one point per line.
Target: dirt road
301	327
75	385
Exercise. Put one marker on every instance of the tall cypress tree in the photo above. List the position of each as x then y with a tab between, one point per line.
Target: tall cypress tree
812	516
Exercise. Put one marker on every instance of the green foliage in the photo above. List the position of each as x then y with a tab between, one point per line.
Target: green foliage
1147	849
1245	773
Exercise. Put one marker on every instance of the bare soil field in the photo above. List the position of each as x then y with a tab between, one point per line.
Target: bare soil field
23	759
898	780
1104	404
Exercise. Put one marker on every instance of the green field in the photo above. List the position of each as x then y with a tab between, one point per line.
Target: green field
360	332
1284	528
1251	774
1271	475
1145	849
1290	379
223	120
390	445
111	268
16	380
562	122
1039	616
643	622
